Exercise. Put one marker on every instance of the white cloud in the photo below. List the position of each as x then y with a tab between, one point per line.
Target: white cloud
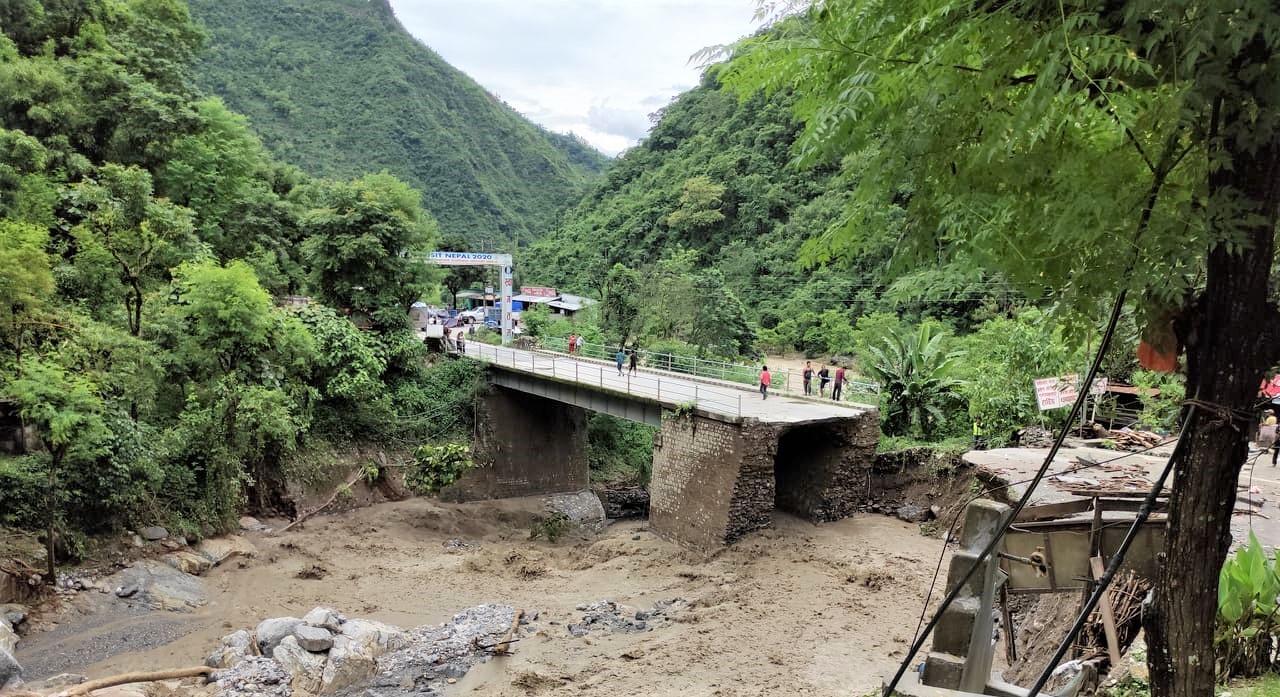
597	68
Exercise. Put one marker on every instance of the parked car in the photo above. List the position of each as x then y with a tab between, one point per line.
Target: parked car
473	315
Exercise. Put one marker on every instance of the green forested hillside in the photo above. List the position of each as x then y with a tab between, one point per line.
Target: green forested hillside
338	87
713	187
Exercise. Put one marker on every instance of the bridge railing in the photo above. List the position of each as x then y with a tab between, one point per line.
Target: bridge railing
786	381
650	385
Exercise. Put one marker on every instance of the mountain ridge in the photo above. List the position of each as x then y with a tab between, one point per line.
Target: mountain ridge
339	87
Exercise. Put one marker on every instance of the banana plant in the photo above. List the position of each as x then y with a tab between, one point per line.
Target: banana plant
1248	587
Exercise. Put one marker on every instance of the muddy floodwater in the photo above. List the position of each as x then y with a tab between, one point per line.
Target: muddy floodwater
799	609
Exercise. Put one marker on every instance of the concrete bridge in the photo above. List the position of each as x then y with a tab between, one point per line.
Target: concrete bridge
723	458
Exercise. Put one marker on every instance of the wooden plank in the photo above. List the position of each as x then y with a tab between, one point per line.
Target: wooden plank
1108	617
1050	511
1010	645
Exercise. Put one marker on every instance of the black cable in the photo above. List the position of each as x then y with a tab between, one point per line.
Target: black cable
1114	565
1022	502
924	610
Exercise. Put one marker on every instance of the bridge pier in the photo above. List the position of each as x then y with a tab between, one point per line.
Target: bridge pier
715	480
525	445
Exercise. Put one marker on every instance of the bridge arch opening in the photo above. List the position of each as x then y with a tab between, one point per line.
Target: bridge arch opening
807	459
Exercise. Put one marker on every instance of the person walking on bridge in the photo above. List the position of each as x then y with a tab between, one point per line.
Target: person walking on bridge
824	377
839	382
620	357
635	362
765	379
807	375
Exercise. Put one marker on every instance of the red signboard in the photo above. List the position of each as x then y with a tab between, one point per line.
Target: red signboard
539	291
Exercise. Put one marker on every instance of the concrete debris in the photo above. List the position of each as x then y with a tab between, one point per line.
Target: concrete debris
607	617
304	667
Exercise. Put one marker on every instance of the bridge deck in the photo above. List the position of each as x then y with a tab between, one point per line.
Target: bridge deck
669	389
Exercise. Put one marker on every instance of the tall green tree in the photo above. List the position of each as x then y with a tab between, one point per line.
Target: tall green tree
67	412
1083	150
620	310
365	240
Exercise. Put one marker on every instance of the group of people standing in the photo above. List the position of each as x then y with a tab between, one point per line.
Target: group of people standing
824	378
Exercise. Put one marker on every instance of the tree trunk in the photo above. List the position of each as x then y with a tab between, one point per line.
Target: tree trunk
1228	349
51	505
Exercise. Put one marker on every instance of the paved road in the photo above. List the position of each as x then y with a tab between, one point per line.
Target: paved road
671	389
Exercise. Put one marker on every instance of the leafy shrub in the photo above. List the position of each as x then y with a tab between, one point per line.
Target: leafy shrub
22	491
619	450
1248	586
436	466
551	528
916	380
1160	411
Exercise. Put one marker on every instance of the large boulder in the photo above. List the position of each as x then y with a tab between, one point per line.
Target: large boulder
158	586
10	671
154	533
313	639
271	632
8	637
353	657
235	647
13	613
188	562
583	509
219	549
304	667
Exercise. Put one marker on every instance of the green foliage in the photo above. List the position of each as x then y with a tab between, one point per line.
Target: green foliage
619	451
436	466
339	88
620	310
364	243
915	373
1248	586
550	528
1159	411
536	320
1001	361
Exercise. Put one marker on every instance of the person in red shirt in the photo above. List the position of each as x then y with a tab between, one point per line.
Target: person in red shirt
765	379
840	381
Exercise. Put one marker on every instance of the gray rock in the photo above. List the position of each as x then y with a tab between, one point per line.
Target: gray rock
153	533
914	514
14	614
219	549
255	676
8	638
304	667
583	509
235	648
324	617
158	586
10	671
271	632
314	639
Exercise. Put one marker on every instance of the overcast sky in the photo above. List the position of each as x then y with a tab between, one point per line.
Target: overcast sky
597	68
